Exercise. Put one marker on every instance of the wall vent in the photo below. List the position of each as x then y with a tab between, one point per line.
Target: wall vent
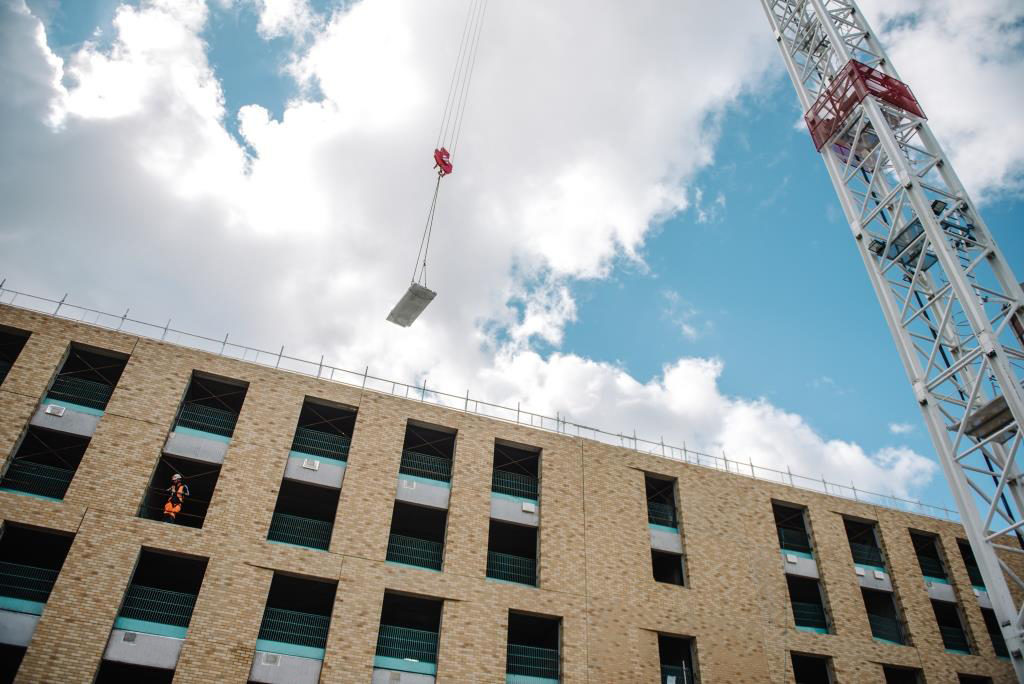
310	464
129	637
271	659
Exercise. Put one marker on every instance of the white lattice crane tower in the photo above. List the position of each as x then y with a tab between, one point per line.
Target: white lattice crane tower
953	306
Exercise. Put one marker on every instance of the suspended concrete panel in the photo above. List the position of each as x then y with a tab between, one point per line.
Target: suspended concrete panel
940	591
799	564
196	447
70	418
139	648
277	668
381	676
873	578
16	629
515	510
411	305
665	539
422	491
323	472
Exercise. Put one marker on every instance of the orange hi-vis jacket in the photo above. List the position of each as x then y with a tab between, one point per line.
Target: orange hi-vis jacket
173	506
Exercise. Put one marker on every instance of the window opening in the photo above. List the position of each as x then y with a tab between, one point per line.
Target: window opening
883	616
122	673
661	501
162	594
324	431
11	343
428	453
30	560
995	634
533	647
791	528
901	675
417	535
304	515
808	606
87	379
512	553
864	543
973	679
811	669
44	463
210	407
954	638
297	616
164	500
928	558
408	635
667	567
10	661
675	655
973	571
516	471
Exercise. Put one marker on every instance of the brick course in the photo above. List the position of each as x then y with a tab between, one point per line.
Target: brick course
594	550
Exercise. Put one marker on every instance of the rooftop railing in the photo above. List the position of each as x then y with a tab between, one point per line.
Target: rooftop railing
514	484
426	465
867	554
26	582
37	478
464	402
415	551
505	566
158	605
532	661
294	529
319	443
207	419
81	391
293	627
887	628
406	643
807	614
661	513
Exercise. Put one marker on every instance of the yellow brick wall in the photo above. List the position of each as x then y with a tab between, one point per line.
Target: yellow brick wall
594	552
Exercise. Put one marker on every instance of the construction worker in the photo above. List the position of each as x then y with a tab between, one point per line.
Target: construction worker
177	493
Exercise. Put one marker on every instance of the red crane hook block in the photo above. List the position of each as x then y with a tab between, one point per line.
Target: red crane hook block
442	162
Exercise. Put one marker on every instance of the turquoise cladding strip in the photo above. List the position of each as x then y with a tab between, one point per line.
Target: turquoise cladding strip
147	627
402	665
282	648
888	641
663	528
872	568
801	554
295	546
516	584
74	407
510	497
34	496
527	679
16	605
202	433
323	459
816	630
425	480
936	580
410	565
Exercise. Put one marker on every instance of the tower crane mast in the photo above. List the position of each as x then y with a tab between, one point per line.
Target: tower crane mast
948	295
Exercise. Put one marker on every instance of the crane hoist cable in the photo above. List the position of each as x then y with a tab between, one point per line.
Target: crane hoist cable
418	295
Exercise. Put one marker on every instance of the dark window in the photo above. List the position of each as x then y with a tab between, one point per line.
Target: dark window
808	606
954	638
304	515
883	616
864	543
901	675
973	571
926	546
533	646
973	679
409	629
675	655
199	478
417	535
11	343
298	611
668	567
87	378
10	661
661	501
994	633
30	560
428	453
516	471
512	553
324	431
162	592
123	673
45	463
211	407
791	528
811	669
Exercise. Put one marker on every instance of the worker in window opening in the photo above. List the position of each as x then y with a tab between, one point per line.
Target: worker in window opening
177	493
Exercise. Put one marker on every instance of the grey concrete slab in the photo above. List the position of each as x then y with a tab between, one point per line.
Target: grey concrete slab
422	493
312	470
276	668
873	578
513	511
984	601
381	676
940	591
65	419
663	540
16	629
801	566
137	648
195	448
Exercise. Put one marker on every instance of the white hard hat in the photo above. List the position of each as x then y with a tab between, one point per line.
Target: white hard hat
175	476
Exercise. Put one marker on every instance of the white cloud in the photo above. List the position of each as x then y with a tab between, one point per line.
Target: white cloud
901	428
285	17
573	149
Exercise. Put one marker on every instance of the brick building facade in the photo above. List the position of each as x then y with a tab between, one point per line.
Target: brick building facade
343	535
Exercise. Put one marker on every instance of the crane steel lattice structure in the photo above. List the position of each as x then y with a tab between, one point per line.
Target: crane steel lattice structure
953	306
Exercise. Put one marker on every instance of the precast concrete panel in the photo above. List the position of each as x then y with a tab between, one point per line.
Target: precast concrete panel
277	668
138	648
195	448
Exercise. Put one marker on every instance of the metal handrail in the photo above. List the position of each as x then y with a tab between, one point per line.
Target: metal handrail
295	529
515	484
867	554
80	391
158	605
37	478
294	627
661	513
512	414
809	614
511	568
320	443
406	643
26	582
885	627
426	465
415	551
932	567
206	419
793	540
532	661
680	672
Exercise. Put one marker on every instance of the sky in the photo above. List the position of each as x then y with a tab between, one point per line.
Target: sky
638	234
